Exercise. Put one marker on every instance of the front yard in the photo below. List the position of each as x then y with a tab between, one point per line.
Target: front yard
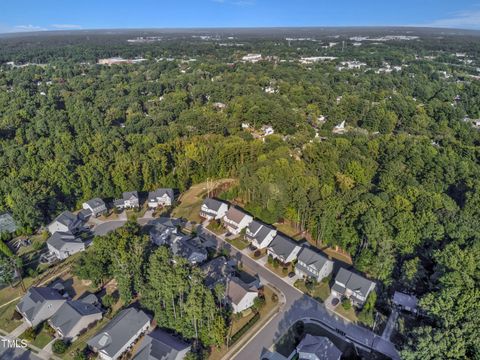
280	270
319	291
239	242
8	321
350	314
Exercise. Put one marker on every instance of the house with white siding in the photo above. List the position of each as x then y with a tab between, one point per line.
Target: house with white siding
235	220
259	234
312	264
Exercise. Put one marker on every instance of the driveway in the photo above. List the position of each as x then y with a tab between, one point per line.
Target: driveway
299	306
19	330
387	332
107	226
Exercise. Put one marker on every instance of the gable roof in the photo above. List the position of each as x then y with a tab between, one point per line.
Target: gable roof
213	204
61	239
237	289
160	192
405	300
254	226
216	270
95	202
319	346
119	331
354	282
159	345
31	304
312	258
127	195
66	218
282	245
70	313
186	246
235	214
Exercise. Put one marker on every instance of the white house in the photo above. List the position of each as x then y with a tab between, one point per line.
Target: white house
39	304
284	249
64	244
260	235
129	200
235	220
253	58
352	286
96	206
160	197
312	264
65	222
120	334
267	130
240	295
213	209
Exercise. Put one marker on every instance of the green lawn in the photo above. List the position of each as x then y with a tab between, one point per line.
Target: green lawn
42	339
320	292
7	322
239	243
349	314
279	270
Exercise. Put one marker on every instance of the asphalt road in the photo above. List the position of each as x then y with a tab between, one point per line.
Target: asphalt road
15	353
299	306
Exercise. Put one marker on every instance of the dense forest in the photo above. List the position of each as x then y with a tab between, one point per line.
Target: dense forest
398	188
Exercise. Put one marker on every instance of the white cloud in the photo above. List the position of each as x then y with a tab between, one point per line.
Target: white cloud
461	19
26	28
66	26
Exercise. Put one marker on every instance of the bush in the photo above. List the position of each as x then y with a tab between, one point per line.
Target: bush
29	334
59	347
285	270
274	297
276	263
327	279
257	253
346	304
108	301
245	328
270	259
80	355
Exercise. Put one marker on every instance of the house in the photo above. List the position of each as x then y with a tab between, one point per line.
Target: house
312	264
235	220
160	197
162	229
267	130
119	334
65	222
352	286
129	200
317	348
73	317
189	248
259	234
240	295
217	271
253	58
272	355
405	302
283	249
39	304
213	209
96	206
64	244
160	345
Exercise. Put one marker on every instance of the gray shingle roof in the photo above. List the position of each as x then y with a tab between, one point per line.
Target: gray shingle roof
354	282
95	202
319	346
61	239
312	258
405	300
152	195
119	331
216	270
70	313
159	345
213	204
127	195
254	226
34	299
67	218
282	246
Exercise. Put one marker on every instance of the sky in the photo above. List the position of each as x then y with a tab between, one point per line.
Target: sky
37	15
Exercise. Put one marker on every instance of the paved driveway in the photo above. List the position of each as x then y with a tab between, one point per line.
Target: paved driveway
107	226
299	306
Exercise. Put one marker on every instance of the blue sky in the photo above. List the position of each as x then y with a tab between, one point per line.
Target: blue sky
33	15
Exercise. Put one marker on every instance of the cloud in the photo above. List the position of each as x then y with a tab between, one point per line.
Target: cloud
66	26
27	28
460	19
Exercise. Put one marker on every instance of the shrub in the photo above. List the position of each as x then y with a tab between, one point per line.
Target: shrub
276	263
270	259
80	355
274	297
346	304
108	301
257	253
59	347
29	334
245	328
285	270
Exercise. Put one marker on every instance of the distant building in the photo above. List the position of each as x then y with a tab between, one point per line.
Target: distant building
235	220
284	249
64	244
405	302
317	348
253	58
260	234
96	206
161	197
119	334
352	286
65	222
213	209
312	264
129	200
267	130
160	345
39	304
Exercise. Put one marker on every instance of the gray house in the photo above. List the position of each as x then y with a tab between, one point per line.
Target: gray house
73	317
65	222
120	334
96	206
189	248
405	302
160	197
162	229
39	304
313	264
159	345
317	348
259	234
283	249
352	286
64	244
129	200
217	271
